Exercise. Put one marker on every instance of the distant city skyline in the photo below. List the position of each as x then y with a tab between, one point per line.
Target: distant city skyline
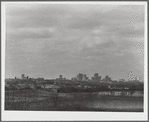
48	40
84	77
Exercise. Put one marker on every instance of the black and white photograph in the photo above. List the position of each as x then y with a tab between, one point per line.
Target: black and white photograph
71	57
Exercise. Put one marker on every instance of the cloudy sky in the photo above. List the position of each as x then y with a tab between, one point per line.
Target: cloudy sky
46	40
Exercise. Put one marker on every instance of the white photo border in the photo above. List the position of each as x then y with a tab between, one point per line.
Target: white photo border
73	116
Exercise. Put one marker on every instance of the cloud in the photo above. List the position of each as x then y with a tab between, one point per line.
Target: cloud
73	38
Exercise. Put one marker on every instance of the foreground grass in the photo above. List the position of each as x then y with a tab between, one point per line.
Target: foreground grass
47	101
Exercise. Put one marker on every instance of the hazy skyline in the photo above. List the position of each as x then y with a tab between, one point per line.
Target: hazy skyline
46	40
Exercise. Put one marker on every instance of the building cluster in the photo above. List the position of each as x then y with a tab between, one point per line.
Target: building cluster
82	77
61	78
23	77
96	77
122	93
79	77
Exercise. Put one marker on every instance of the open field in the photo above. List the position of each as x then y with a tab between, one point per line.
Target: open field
48	101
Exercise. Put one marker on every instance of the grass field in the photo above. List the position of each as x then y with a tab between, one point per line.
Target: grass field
48	101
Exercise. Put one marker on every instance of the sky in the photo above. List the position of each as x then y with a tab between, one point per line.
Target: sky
48	40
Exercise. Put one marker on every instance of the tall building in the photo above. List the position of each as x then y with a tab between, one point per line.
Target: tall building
22	76
84	78
60	77
96	75
79	77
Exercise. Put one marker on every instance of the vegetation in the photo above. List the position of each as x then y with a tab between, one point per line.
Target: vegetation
83	101
75	86
71	96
